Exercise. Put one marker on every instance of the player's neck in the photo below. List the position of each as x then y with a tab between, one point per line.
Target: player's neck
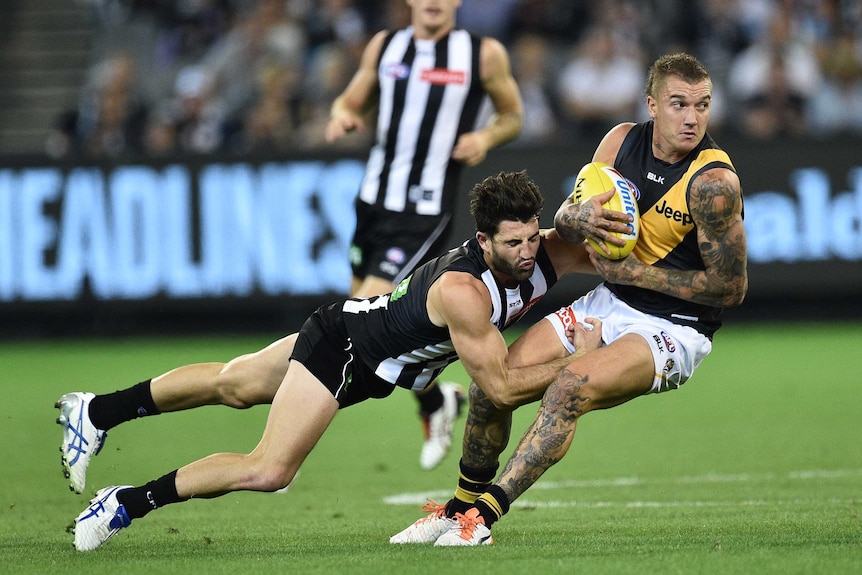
431	33
665	153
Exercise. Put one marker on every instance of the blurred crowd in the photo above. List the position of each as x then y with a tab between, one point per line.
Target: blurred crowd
258	76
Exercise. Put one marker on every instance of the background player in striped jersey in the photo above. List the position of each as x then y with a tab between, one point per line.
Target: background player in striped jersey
427	84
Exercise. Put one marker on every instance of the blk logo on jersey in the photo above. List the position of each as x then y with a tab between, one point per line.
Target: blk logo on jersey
443	76
655	178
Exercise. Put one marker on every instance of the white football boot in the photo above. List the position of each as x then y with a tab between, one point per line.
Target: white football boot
469	530
101	520
427	529
81	439
439	426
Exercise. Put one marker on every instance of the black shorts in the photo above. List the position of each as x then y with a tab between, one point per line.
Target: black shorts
391	245
325	349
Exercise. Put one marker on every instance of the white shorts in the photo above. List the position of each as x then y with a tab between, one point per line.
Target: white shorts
677	350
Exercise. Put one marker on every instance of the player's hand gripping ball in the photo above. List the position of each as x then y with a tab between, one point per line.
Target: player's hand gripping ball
597	178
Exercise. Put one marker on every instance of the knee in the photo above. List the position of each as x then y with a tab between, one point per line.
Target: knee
276	479
483	410
486	406
233	390
269	477
570	394
479	402
241	388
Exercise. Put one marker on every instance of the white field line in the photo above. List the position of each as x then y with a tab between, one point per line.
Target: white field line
418	498
678	504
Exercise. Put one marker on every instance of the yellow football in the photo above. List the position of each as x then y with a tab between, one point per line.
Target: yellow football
597	178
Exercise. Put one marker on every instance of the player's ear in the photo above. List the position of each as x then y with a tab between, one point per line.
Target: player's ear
483	239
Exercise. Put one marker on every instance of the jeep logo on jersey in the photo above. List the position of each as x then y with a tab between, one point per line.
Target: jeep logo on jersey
398	71
674	214
443	76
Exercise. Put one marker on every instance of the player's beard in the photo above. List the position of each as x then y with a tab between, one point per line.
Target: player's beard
514	270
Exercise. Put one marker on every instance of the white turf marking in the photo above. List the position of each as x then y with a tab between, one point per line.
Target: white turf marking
419	498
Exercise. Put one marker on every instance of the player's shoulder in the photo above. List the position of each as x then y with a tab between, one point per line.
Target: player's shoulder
717	163
611	143
716	187
457	294
717	175
491	50
460	274
375	44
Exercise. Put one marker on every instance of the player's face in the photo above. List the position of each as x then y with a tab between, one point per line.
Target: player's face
681	113
433	17
511	252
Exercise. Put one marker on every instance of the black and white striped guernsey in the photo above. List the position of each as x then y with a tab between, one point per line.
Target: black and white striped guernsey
430	93
394	335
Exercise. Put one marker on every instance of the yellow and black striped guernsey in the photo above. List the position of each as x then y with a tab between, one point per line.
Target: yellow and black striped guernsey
668	236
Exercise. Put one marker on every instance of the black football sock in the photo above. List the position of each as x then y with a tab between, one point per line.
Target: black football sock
430	400
139	501
492	505
111	409
472	482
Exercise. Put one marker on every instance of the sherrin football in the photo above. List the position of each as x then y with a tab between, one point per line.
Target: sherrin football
597	178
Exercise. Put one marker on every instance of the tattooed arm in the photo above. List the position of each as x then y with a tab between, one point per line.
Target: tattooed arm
575	222
588	219
715	203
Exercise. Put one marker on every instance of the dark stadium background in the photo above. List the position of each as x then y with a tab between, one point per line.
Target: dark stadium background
805	238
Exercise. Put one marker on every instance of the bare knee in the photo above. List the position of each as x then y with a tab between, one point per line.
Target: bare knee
241	388
253	379
275	479
268	477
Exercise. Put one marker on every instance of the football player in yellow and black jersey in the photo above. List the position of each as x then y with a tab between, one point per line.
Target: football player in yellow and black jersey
660	306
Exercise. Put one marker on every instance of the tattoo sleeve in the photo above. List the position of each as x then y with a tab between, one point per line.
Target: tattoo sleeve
716	207
549	437
487	431
566	223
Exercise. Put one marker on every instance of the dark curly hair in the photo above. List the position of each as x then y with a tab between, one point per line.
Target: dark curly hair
508	196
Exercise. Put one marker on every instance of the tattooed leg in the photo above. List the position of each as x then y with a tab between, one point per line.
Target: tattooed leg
487	431
549	437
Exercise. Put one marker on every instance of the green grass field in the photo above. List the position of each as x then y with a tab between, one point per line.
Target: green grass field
755	466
